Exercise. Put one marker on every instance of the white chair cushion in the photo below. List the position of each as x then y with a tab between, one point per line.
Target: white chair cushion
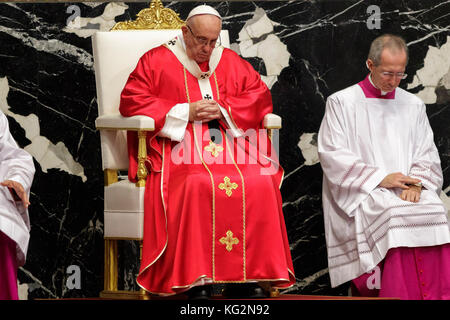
114	149
116	54
113	142
124	210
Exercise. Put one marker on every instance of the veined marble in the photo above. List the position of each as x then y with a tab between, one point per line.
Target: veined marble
47	154
304	50
435	72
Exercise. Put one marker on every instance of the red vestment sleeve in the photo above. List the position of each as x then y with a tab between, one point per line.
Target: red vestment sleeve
248	100
141	96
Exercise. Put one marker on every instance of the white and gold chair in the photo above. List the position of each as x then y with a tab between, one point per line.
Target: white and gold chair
116	54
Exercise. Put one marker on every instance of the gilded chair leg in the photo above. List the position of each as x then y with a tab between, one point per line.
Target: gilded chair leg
270	291
142	292
142	156
110	276
274	293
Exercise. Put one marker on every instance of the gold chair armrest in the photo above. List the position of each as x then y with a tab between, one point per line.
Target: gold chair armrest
118	122
272	121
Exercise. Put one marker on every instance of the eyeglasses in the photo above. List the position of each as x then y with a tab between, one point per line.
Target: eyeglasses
387	74
204	42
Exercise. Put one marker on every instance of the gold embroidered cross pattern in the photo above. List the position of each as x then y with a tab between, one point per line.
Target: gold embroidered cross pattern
229	240
228	186
214	149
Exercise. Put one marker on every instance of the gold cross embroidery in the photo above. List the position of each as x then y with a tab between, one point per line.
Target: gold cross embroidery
228	186
214	149
229	240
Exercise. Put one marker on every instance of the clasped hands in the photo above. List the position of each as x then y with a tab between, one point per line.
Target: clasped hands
17	191
410	192
204	111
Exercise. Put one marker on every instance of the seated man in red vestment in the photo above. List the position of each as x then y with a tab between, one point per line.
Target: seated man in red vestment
213	208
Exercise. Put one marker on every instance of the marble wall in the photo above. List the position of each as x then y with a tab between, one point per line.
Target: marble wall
305	51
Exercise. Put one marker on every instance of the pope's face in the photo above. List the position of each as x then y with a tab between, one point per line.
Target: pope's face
387	75
200	36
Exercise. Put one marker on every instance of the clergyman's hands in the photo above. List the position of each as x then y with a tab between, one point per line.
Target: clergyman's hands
412	194
397	180
17	191
204	110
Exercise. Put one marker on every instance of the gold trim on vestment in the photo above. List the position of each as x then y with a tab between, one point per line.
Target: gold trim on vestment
213	201
213	208
190	285
229	241
162	22
214	149
243	213
184	288
212	181
256	280
231	117
175	45
282	175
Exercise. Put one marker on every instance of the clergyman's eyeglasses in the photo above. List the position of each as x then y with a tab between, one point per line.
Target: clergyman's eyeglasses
205	42
388	74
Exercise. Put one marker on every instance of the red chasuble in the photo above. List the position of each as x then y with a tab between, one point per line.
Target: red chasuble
212	211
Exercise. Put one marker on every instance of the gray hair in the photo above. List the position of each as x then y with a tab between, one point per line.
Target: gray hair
386	41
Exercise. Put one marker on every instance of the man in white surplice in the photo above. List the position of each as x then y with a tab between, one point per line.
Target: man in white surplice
381	185
16	176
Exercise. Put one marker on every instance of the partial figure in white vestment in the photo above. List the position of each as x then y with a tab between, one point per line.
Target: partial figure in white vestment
16	176
386	228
